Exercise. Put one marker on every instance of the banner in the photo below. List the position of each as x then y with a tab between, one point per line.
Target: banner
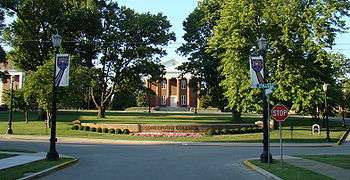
257	71
62	70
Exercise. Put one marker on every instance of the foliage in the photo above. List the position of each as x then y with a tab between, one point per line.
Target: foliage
210	132
75	127
99	130
112	131
105	130
130	47
118	131
93	129
87	128
203	64
126	131
298	33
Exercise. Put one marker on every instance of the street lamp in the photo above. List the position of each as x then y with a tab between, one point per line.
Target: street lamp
9	129
325	88
266	156
343	108
52	154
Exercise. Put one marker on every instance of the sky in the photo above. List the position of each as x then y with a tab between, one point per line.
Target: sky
178	10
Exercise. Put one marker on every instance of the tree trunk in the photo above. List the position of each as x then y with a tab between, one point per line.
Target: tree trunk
26	116
236	116
101	112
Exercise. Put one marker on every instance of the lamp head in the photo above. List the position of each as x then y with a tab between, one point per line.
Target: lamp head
325	87
56	40
262	43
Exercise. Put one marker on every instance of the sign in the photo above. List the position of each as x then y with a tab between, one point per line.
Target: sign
279	113
62	70
316	129
256	71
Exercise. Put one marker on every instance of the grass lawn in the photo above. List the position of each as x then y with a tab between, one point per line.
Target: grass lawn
4	155
342	161
289	172
301	126
34	167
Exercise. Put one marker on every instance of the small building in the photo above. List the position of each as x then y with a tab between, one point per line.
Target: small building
5	84
174	89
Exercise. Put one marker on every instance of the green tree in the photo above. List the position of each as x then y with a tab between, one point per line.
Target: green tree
204	64
130	47
35	22
298	33
19	103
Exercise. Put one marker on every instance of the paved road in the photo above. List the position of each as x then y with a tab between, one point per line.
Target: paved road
160	161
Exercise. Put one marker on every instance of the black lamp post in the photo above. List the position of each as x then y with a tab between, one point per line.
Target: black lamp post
9	129
266	156
325	88
343	108
52	154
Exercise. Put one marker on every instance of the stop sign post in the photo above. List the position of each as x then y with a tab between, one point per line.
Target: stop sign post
280	114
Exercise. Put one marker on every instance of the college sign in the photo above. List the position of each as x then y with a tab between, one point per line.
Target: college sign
257	71
62	70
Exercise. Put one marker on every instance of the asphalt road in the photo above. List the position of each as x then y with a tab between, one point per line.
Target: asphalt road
153	162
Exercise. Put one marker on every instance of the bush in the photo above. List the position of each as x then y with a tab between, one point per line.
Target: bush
112	131
99	130
81	127
225	131
244	130
87	128
105	130
75	127
118	131
217	131
126	131
210	132
93	129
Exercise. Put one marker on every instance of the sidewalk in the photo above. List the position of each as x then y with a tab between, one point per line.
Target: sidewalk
20	159
315	166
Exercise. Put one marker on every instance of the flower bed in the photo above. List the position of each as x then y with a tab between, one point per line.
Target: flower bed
168	134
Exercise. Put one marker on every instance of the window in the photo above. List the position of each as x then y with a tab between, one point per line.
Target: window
163	100
163	84
183	100
183	84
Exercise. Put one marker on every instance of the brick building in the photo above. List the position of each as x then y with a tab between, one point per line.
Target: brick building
173	90
5	84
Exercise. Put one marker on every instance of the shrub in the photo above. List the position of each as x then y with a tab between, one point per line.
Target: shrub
75	127
87	128
126	131
118	131
244	130
81	127
105	130
93	129
210	132
225	131
99	130
217	131
112	131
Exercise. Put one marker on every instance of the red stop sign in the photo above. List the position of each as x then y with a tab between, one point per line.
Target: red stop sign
279	112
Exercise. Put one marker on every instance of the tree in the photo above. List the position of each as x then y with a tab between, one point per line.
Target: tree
30	34
298	33
204	64
19	103
130	45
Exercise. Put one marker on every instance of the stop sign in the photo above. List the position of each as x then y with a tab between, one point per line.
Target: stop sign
279	112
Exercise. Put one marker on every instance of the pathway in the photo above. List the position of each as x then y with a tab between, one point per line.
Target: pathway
21	159
320	168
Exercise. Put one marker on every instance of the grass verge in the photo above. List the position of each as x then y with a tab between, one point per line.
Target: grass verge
34	167
289	172
4	155
342	161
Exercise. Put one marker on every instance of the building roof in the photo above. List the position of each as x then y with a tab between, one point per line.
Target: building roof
170	69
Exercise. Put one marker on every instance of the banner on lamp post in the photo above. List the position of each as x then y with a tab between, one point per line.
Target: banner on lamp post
62	70
257	71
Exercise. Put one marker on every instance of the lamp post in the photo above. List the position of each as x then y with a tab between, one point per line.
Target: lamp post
52	154
9	129
343	108
325	88
266	156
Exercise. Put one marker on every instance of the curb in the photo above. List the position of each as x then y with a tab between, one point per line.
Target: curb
343	138
260	170
50	170
260	145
